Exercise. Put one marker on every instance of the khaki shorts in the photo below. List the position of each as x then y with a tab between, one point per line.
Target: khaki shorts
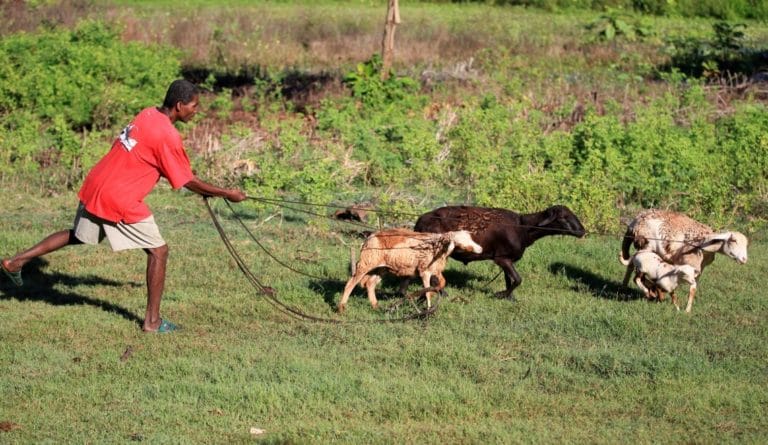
91	229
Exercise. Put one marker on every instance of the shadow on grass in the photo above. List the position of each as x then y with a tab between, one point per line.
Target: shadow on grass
460	279
388	289
595	284
40	286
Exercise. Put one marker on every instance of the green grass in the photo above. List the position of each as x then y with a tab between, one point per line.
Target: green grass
576	359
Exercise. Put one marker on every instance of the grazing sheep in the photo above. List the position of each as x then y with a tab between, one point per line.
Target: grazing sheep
679	240
405	253
660	276
503	234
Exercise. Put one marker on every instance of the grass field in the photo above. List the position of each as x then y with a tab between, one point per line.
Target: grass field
577	359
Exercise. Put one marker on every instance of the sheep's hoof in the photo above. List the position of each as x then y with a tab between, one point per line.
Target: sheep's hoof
340	309
460	299
504	295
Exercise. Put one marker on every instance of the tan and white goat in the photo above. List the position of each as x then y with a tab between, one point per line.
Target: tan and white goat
405	253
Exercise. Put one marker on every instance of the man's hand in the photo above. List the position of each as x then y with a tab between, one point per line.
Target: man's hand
235	195
205	189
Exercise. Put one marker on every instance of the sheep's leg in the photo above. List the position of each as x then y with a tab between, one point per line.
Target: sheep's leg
627	275
641	285
403	289
350	286
426	280
691	294
440	284
511	278
674	300
370	287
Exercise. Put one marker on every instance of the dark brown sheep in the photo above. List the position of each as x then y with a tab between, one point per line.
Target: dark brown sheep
503	234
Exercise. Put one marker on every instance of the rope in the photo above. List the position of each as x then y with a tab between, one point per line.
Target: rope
250	234
270	293
691	246
282	202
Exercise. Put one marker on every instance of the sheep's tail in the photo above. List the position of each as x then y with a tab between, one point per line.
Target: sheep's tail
624	261
624	257
352	262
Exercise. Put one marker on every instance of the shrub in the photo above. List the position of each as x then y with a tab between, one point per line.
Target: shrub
68	81
366	84
726	52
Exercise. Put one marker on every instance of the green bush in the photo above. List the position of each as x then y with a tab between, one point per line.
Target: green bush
382	122
726	52
72	85
497	153
87	75
743	139
404	149
719	9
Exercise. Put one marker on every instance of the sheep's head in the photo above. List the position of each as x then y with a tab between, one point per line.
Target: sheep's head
561	219
462	240
732	244
736	247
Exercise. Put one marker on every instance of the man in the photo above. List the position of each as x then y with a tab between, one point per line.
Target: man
112	195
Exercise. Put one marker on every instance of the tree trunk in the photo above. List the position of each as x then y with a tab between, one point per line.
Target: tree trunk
388	42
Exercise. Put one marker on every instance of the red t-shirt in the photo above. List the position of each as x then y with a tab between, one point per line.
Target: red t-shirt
148	148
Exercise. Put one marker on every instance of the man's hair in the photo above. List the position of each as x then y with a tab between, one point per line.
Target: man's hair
181	90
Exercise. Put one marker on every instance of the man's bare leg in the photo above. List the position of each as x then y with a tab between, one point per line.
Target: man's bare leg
157	259
51	243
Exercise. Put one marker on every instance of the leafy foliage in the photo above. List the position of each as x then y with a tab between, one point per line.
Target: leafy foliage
404	148
600	168
614	25
719	9
70	81
368	86
727	51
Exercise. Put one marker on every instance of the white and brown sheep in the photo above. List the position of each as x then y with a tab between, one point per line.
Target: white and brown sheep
679	240
655	276
405	253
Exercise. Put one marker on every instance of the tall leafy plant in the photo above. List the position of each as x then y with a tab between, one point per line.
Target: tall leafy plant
73	85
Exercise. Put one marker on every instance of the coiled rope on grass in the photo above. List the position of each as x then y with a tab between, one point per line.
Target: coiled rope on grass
271	295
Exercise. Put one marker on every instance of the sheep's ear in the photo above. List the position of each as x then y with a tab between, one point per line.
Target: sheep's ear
714	243
551	216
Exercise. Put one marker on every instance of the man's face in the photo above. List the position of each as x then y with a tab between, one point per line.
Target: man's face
188	110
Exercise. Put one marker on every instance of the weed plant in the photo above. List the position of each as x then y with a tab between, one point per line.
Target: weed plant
522	132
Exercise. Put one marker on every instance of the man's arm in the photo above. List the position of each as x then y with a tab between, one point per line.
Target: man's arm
205	189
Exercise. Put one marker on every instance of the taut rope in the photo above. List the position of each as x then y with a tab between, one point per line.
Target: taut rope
270	293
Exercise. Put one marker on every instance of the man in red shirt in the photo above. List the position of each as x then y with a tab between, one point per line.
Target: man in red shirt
112	196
